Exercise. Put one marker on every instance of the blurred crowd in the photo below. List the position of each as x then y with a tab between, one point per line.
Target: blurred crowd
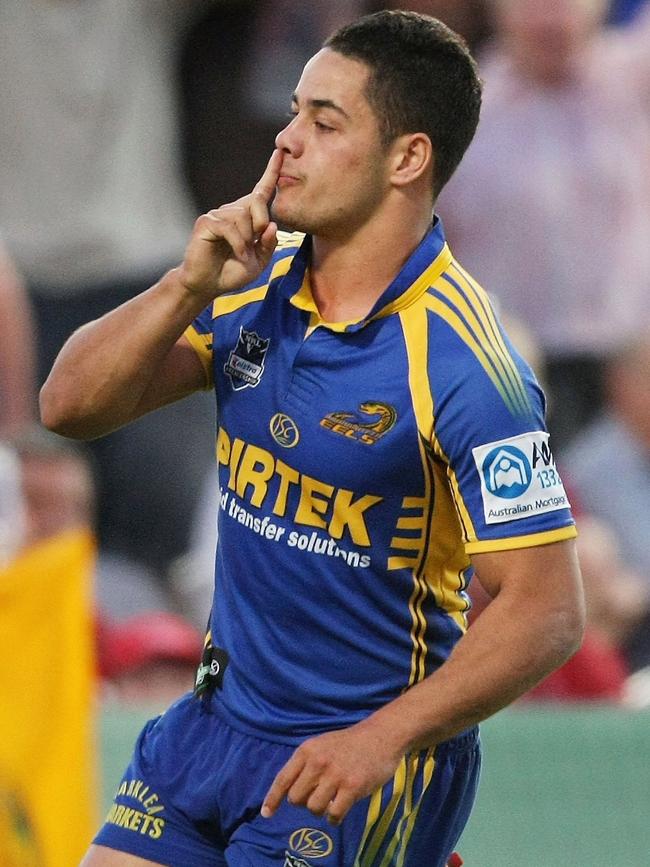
123	121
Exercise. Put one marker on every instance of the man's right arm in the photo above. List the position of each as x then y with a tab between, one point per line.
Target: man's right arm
135	358
131	361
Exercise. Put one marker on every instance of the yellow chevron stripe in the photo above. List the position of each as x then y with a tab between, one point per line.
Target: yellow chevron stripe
367	858
480	326
411	772
374	809
406	544
454	321
429	767
473	289
414	502
402	562
409	524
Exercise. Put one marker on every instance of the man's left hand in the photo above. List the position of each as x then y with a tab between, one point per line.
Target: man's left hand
331	772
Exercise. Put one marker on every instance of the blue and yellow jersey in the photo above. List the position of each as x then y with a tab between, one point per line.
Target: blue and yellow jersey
360	465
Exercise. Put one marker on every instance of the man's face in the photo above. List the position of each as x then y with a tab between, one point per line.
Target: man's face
334	174
546	38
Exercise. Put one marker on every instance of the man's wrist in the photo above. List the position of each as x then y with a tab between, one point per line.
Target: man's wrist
188	297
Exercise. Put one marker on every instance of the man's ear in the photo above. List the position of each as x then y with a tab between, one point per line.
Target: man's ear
411	158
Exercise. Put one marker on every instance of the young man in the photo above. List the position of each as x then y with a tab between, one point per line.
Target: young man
376	431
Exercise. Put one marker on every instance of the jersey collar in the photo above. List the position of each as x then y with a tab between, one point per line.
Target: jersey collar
427	262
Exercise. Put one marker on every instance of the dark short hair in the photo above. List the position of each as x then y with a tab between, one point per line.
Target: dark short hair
422	79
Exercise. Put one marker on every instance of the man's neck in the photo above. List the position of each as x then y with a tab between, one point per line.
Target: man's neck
349	276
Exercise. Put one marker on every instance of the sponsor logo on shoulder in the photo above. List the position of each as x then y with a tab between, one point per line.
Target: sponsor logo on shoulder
245	364
519	478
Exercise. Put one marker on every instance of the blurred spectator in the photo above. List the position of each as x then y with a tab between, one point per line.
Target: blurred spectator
470	18
150	658
12	505
56	482
46	602
93	208
608	469
17	358
551	207
617	600
624	11
55	477
608	465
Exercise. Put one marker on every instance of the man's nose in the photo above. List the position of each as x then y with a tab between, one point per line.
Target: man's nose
290	139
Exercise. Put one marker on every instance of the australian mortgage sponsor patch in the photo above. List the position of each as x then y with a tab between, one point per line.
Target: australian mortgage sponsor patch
519	478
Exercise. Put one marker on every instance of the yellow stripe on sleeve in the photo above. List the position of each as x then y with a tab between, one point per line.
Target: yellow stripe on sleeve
514	542
202	345
229	303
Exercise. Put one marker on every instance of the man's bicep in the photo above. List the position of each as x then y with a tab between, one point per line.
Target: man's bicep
180	374
544	574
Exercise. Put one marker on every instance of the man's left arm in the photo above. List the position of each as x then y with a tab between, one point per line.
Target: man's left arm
534	623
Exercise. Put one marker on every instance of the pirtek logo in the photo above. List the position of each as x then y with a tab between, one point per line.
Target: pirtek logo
254	474
311	843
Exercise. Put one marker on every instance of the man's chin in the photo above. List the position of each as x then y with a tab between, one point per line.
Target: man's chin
289	221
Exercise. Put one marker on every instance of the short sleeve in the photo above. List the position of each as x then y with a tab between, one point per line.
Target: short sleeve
490	431
201	336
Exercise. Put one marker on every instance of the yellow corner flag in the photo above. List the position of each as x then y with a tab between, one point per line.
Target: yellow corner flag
47	769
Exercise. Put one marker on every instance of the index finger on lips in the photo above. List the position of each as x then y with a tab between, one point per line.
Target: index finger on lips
263	192
265	187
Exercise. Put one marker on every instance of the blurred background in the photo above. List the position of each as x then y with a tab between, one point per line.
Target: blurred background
121	122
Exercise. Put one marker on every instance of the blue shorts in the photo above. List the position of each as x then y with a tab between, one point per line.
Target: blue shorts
192	794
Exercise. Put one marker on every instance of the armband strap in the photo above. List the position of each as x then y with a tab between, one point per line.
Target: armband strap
209	674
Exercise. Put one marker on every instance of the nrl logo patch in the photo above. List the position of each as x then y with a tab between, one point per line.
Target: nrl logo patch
245	364
356	427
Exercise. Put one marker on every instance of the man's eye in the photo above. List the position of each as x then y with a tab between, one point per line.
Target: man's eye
323	126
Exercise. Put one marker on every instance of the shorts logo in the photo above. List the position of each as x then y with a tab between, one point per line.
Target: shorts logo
310	843
284	430
358	428
519	478
507	472
245	364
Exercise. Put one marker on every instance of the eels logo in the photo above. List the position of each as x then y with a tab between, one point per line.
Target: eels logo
311	843
284	430
356	427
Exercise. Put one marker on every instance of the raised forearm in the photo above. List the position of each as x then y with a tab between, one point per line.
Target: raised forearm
101	376
129	362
